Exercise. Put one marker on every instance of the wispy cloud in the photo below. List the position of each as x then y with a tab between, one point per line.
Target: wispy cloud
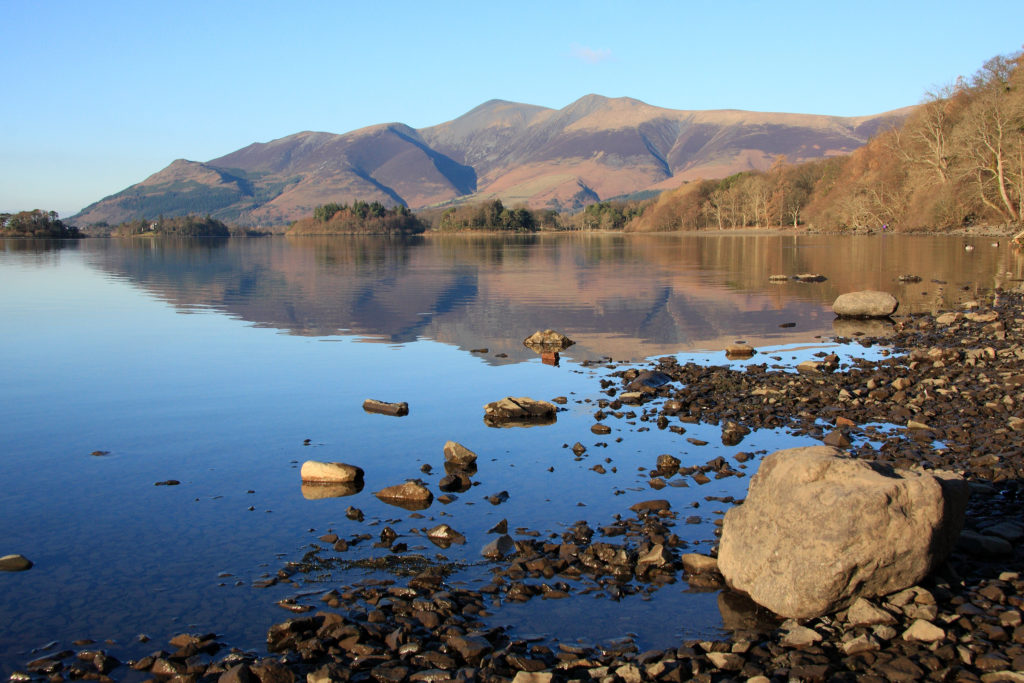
589	54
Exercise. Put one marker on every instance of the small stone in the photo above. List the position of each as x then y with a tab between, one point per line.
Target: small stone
444	536
837	439
695	563
651	505
499	547
316	472
726	661
239	673
668	464
519	411
739	350
862	643
533	677
864	613
601	429
799	636
411	495
810	367
924	632
548	340
629	673
457	454
372	405
15	563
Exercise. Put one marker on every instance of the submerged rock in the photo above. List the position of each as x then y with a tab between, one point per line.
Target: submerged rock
791	549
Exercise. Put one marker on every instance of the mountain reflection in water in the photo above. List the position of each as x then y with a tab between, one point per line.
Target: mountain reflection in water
623	296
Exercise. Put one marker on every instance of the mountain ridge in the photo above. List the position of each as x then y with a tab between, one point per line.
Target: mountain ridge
592	149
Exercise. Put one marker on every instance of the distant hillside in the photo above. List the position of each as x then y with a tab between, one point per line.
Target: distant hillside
593	149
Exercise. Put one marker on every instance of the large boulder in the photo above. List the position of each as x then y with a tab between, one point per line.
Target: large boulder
818	530
866	304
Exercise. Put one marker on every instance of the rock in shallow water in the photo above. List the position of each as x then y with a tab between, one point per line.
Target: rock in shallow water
411	495
14	563
457	454
513	411
372	405
315	472
818	530
865	304
547	341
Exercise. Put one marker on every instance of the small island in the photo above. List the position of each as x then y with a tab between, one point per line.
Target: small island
38	224
361	218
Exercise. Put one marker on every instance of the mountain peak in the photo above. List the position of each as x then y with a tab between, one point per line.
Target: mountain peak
520	153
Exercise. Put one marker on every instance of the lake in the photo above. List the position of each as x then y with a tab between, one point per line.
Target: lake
224	364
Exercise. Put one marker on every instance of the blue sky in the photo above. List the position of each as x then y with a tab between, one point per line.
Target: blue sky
99	95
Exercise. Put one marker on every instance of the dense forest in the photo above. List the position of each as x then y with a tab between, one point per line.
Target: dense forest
957	161
361	218
37	223
176	226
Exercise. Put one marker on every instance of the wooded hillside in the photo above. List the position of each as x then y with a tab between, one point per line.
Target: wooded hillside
957	161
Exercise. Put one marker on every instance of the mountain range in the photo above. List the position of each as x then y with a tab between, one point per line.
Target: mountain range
594	149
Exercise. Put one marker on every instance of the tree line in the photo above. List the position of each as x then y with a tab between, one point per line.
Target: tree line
36	223
359	218
176	226
494	215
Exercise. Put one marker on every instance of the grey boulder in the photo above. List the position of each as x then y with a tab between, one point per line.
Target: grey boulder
865	304
818	530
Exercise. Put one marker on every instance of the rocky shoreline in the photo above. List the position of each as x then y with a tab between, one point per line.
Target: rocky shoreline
947	395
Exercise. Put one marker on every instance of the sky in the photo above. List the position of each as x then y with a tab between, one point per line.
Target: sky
100	95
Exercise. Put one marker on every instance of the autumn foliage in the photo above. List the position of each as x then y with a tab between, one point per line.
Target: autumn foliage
958	160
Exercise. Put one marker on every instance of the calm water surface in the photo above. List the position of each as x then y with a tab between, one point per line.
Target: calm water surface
210	362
